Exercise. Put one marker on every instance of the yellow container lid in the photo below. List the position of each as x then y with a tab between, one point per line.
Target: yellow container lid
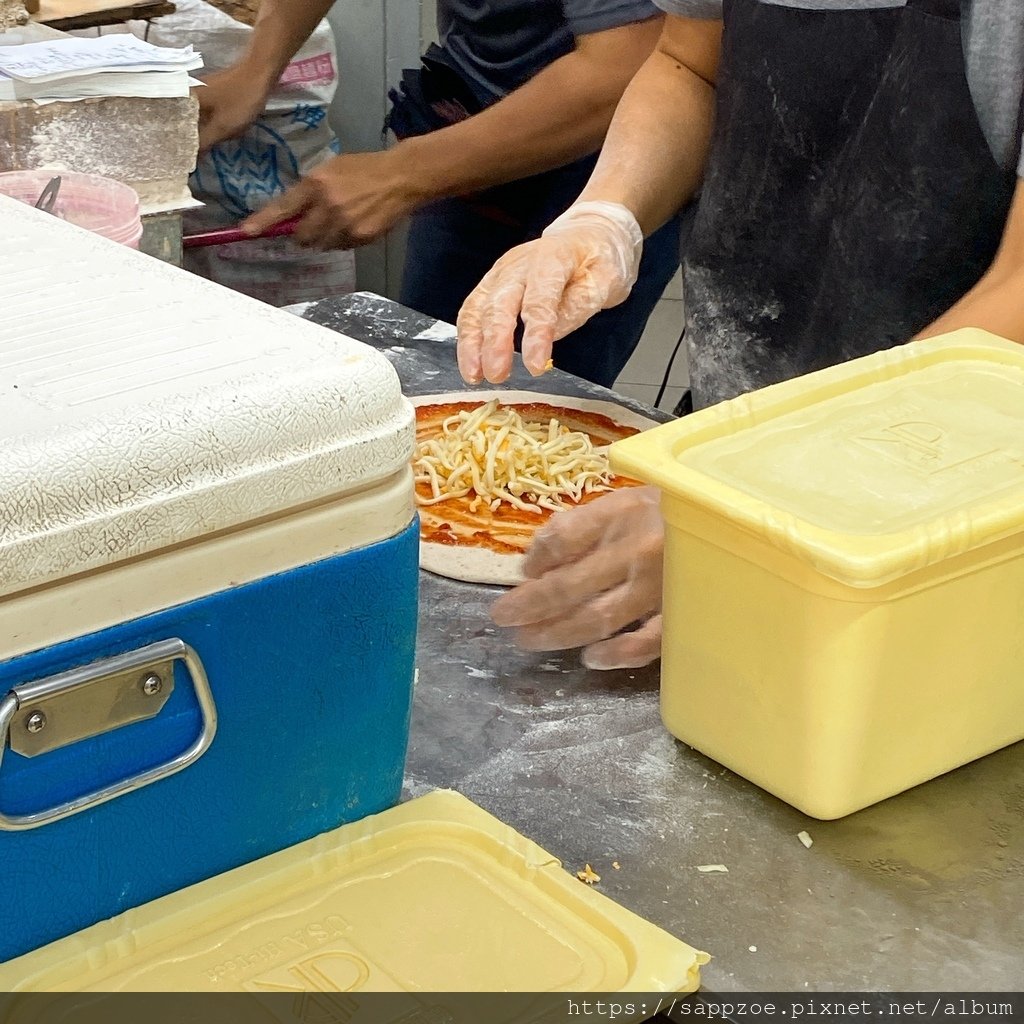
868	470
434	895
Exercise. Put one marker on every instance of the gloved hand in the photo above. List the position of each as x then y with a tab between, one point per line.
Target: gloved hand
592	572
229	102
587	260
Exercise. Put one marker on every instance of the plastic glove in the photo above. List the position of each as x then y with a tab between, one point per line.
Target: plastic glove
592	572
587	260
229	103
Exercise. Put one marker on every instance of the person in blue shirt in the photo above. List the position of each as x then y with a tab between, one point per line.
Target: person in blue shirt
498	133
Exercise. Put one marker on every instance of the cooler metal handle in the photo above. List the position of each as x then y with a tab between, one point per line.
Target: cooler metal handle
166	651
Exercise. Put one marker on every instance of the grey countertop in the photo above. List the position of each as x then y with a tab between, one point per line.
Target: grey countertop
922	892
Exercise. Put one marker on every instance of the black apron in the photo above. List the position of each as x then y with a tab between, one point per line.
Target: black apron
850	196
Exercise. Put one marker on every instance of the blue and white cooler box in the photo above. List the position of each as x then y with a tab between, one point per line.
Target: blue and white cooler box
208	574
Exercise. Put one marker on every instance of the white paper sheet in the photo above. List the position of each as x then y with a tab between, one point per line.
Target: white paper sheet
72	57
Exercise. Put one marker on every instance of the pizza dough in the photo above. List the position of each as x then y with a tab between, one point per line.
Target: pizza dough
471	565
484	565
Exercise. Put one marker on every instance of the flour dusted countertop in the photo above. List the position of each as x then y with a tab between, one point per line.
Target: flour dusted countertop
920	892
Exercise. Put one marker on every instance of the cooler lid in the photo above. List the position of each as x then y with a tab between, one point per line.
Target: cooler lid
434	895
141	405
868	470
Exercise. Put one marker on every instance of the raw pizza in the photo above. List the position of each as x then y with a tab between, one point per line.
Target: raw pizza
493	467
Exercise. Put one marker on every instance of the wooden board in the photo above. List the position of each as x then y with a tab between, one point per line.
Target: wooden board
76	14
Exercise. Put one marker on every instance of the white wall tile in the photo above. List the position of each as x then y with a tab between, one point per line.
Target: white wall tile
647	393
650	360
675	286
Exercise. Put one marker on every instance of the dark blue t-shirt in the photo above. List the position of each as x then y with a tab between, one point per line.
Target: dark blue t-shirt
497	45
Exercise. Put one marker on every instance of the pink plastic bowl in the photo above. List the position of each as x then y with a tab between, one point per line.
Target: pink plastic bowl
89	201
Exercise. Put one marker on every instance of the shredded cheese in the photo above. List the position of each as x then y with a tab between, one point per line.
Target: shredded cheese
493	454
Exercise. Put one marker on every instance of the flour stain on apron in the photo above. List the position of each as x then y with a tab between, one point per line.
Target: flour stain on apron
850	196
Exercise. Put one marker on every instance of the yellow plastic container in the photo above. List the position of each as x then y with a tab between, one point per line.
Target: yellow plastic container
844	571
434	895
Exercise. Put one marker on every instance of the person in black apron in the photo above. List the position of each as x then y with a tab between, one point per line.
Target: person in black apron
850	198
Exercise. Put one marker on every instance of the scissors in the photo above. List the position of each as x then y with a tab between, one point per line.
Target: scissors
48	197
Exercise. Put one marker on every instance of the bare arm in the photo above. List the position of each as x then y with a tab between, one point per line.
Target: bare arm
559	115
281	28
653	158
232	99
996	302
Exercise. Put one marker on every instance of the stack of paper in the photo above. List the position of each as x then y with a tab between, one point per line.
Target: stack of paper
109	65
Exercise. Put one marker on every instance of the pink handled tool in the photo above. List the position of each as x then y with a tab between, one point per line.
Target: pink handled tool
225	235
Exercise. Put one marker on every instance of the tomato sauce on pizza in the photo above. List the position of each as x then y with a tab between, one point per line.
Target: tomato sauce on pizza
504	529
